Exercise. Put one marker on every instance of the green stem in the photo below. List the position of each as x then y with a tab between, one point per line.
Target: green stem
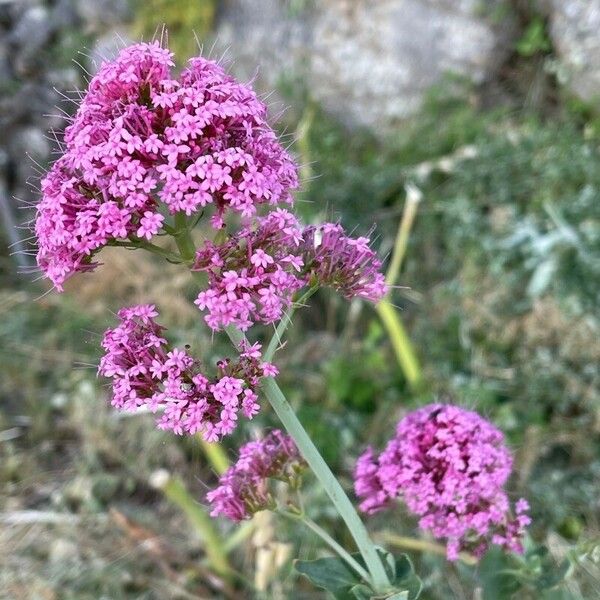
401	343
216	455
409	543
183	238
284	323
286	414
378	576
413	197
134	244
342	552
403	348
176	492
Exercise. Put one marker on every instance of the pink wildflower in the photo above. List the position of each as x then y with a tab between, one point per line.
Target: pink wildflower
249	276
253	276
346	264
449	466
147	372
244	488
142	138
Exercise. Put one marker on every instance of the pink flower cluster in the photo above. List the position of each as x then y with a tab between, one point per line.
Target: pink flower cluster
244	488
343	263
253	276
449	466
144	144
147	372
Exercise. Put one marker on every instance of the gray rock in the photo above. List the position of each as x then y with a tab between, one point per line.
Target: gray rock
99	14
368	63
31	33
575	33
107	47
29	148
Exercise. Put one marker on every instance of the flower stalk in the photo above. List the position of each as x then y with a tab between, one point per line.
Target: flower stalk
283	409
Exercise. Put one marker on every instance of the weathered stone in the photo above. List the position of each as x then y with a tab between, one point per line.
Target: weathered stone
98	14
575	33
370	64
107	47
31	33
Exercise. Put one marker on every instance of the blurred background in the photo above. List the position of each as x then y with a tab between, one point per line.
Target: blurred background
473	122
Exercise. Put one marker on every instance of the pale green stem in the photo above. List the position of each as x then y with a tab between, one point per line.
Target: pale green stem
241	533
401	343
284	411
403	348
342	552
409	543
143	244
413	197
216	554
216	455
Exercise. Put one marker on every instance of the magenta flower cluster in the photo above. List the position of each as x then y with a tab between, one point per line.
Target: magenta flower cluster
348	265
244	488
147	372
449	466
252	277
144	144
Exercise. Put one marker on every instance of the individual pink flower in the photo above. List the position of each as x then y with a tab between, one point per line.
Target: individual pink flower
147	372
449	466
142	138
244	488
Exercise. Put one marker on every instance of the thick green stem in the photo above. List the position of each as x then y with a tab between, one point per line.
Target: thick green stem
342	552
215	454
284	411
413	197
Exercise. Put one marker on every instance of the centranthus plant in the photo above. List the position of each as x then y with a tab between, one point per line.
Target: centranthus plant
147	156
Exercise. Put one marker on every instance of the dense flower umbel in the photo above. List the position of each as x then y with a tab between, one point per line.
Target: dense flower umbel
147	372
244	488
144	144
449	466
253	275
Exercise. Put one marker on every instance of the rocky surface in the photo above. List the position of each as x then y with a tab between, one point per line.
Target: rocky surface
369	64
575	33
39	41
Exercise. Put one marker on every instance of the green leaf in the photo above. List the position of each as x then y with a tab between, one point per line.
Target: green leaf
552	574
402	575
361	592
498	584
331	574
335	576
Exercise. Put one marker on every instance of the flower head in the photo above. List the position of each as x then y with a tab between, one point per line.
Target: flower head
147	372
244	488
144	143
449	466
253	275
346	264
